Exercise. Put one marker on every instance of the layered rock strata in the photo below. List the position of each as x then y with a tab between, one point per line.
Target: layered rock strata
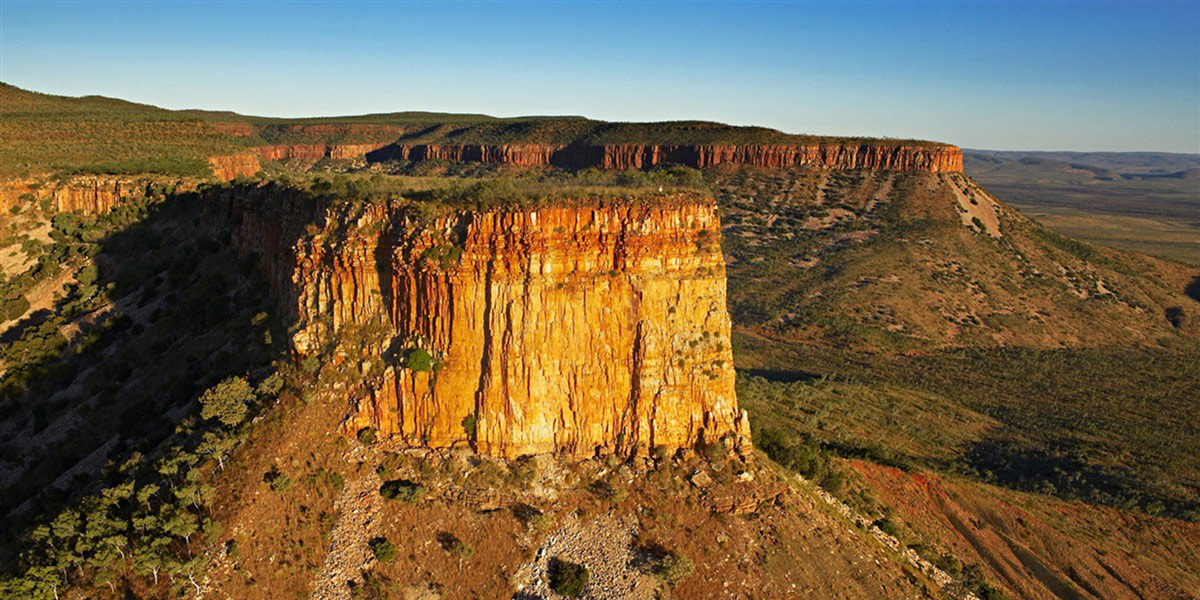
228	168
315	152
579	330
88	194
933	158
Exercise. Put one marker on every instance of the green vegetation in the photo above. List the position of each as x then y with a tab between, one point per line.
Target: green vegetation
1108	426
383	550
585	132
366	435
227	402
567	578
417	359
672	568
373	587
403	491
93	135
139	447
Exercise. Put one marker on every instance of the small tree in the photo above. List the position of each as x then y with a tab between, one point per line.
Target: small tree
227	401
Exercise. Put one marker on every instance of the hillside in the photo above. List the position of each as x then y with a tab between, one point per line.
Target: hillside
899	262
420	355
45	134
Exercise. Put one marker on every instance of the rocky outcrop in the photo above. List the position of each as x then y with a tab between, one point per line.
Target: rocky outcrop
931	158
228	168
88	195
573	329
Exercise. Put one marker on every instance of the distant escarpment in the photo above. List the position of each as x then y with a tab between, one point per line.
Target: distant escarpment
316	152
881	157
580	329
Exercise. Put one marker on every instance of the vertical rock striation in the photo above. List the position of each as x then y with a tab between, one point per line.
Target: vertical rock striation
89	194
930	158
581	329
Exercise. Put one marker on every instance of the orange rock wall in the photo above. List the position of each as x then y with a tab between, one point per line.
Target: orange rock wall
912	158
228	168
574	330
88	195
316	152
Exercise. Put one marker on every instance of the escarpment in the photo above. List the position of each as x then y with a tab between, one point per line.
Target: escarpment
900	157
316	152
89	194
573	329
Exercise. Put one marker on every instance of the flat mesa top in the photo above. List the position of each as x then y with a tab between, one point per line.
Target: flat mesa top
42	133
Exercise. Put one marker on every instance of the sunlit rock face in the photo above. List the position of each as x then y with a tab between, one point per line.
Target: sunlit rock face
932	158
583	329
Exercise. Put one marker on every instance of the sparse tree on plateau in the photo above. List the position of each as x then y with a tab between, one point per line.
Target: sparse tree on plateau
227	401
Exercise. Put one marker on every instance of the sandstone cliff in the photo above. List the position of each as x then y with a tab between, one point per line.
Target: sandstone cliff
900	157
228	168
88	194
576	330
316	152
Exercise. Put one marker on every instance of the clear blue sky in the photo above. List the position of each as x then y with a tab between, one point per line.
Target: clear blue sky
1003	75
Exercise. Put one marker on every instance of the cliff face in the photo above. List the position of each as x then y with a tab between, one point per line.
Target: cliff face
575	330
911	158
228	168
88	195
316	152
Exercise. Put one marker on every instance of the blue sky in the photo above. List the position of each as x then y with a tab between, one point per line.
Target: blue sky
1003	75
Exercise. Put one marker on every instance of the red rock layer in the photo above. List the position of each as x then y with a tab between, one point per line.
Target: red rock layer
911	158
316	152
572	330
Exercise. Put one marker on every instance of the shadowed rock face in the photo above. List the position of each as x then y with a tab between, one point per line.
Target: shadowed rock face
910	158
570	329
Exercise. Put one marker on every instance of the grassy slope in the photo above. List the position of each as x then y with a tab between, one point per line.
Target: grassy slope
891	261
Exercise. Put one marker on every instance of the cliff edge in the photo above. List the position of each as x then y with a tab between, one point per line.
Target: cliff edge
588	328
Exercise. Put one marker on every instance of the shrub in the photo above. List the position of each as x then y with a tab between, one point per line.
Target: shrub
468	425
366	435
277	480
383	550
402	490
15	307
673	567
462	550
417	359
568	578
373	587
271	386
88	275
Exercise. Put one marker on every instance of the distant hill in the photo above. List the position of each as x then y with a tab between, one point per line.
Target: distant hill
1151	163
1144	201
